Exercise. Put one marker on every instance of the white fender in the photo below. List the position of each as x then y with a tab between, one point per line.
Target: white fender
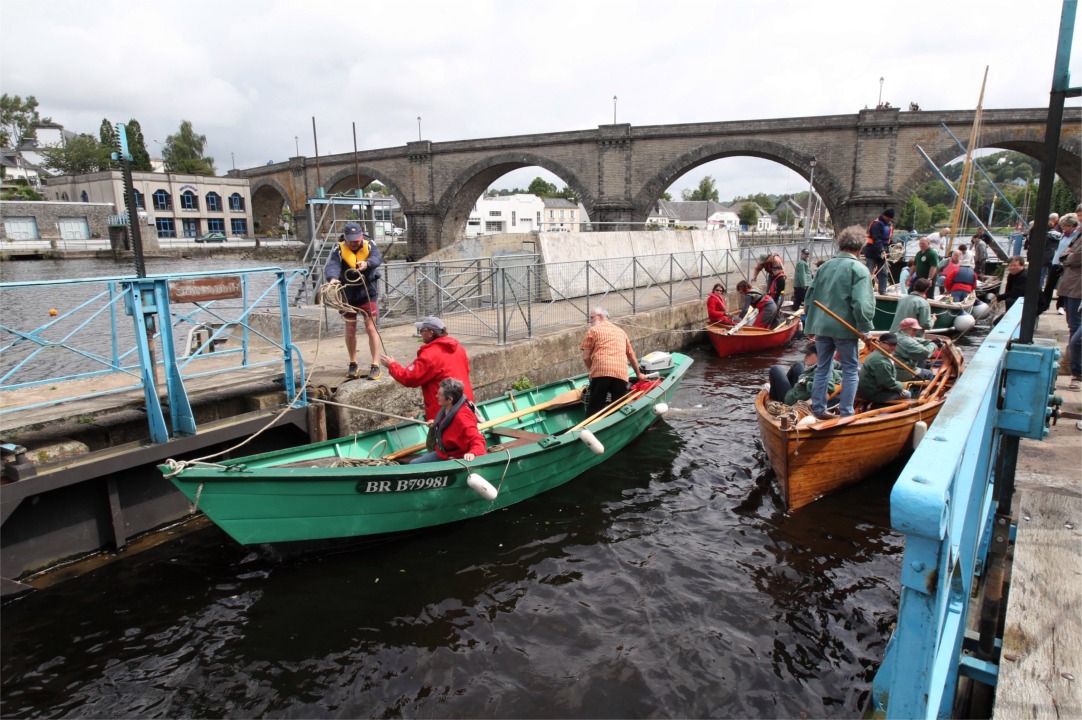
964	322
920	428
591	441
980	309
481	486
661	408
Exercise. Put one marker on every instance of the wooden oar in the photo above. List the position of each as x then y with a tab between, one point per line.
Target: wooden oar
610	409
752	312
838	422
566	398
867	338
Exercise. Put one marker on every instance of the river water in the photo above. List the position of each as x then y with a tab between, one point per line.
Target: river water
666	583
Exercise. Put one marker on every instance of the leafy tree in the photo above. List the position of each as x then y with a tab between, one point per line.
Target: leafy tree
21	192
940	214
707	190
377	188
568	194
108	137
81	155
917	214
786	216
748	215
16	117
183	152
666	197
1063	200
137	146
540	188
766	202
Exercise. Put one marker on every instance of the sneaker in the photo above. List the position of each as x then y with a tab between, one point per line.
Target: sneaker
352	371
1060	311
827	415
1076	384
374	372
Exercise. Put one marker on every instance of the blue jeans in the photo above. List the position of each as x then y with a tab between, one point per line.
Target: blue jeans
848	357
959	295
427	457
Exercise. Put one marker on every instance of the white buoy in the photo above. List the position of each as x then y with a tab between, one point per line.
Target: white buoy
964	322
591	442
481	486
807	420
661	408
980	309
919	429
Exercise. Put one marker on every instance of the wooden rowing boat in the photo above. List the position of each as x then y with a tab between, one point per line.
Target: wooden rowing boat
812	459
750	339
352	487
945	313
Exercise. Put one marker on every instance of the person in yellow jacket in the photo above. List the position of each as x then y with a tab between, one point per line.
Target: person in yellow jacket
355	264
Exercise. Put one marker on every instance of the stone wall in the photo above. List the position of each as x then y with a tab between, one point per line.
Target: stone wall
48	215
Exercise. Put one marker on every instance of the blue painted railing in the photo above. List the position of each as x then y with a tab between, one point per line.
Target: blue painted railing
945	504
90	349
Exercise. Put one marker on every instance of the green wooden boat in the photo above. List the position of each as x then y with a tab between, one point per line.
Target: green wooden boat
945	313
330	490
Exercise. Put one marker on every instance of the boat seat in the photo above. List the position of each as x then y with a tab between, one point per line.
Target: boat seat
522	437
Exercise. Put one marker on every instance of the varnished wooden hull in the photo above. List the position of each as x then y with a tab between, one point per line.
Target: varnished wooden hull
750	339
810	464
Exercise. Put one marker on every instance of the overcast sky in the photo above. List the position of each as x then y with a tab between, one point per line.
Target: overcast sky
251	75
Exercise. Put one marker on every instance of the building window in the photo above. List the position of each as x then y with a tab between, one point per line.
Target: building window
191	228
236	202
514	220
495	213
162	201
167	227
538	218
240	226
140	200
214	202
189	200
216	225
494	227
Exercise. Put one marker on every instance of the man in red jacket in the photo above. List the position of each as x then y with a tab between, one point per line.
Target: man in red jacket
440	356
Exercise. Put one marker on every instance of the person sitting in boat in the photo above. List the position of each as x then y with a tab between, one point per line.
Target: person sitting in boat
768	309
455	427
716	311
913	350
959	280
878	377
795	384
907	273
440	356
914	306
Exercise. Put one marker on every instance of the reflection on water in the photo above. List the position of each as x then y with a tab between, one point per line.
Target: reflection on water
666	583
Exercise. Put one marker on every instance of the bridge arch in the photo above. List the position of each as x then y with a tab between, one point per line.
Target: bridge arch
268	199
461	195
368	174
825	182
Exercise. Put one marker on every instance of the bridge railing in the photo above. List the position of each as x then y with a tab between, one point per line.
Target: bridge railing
946	504
117	335
513	297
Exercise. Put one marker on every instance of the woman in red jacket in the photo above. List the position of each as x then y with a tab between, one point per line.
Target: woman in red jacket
716	311
455	426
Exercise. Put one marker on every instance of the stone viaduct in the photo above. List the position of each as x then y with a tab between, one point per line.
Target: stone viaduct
864	162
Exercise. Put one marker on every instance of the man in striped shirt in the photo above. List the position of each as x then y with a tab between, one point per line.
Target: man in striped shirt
606	352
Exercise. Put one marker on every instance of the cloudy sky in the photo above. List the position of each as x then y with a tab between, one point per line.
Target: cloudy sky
251	75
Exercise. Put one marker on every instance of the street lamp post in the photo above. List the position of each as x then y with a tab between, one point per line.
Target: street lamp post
613	109
418	127
233	159
297	142
880	104
807	213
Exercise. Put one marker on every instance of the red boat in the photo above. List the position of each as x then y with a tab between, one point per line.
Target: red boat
750	339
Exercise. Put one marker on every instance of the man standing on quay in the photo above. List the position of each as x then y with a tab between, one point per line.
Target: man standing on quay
606	352
844	285
875	251
357	259
439	357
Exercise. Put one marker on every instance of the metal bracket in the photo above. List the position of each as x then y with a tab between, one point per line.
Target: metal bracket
1029	379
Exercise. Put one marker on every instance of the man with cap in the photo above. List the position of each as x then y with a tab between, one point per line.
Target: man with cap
913	350
875	251
795	384
878	378
801	279
355	264
440	356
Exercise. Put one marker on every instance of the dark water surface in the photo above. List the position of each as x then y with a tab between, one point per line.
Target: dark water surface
666	583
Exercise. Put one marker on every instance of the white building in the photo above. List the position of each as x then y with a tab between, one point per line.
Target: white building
174	205
505	214
561	215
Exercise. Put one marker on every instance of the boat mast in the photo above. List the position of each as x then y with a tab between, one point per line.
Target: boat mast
963	186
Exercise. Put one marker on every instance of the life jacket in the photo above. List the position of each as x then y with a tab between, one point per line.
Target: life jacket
351	258
871	241
965	276
759	300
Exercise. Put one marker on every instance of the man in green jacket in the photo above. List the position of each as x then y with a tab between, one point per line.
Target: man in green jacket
878	379
844	285
801	279
914	351
914	305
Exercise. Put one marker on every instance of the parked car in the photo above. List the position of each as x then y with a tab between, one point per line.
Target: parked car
397	231
211	237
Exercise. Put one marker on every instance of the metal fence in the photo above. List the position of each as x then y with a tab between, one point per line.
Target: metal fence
513	297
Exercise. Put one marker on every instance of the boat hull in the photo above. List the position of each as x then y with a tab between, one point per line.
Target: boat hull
293	496
943	313
749	339
810	464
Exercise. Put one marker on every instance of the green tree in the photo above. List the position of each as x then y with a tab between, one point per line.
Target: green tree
940	214
786	216
568	194
1063	200
377	188
81	155
21	192
763	200
748	215
540	188
666	197
917	214
108	138
137	146
16	117
183	152
707	190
